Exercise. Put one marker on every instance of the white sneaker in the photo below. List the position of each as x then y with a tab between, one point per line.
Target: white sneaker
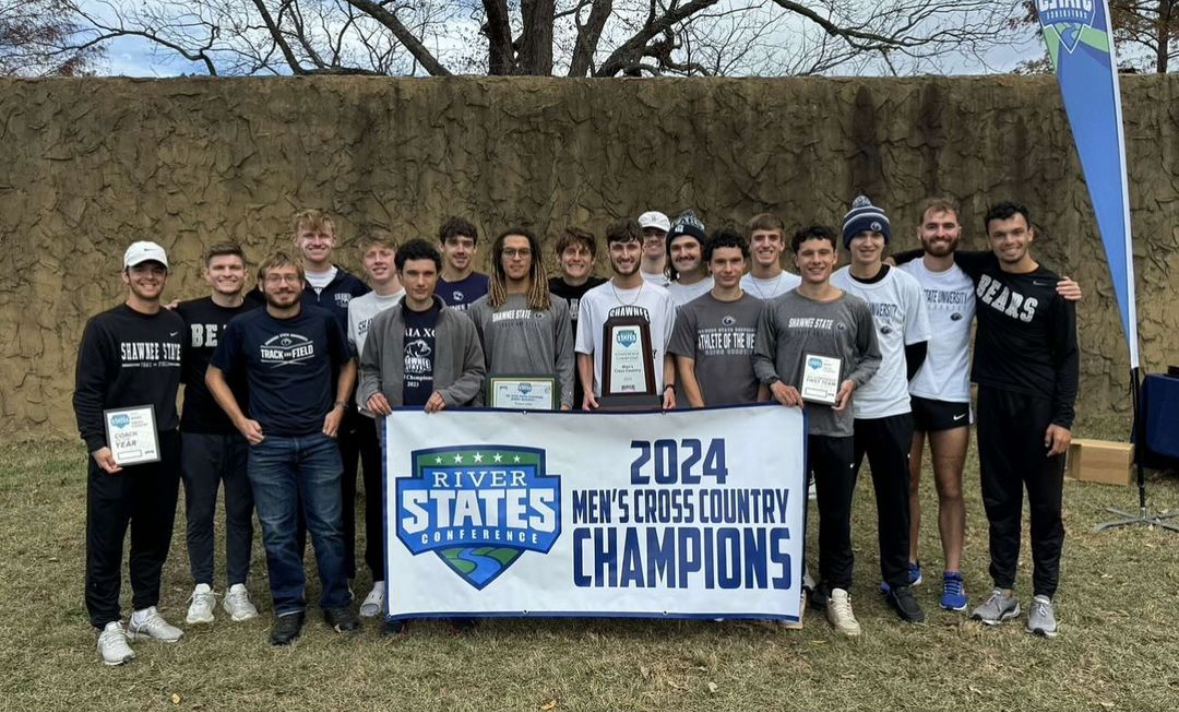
374	602
112	644
237	604
839	612
200	610
148	623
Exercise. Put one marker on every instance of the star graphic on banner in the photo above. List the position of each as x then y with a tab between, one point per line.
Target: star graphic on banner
498	457
478	457
438	460
516	458
458	459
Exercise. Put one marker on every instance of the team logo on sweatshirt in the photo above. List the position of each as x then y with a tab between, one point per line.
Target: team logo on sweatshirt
479	508
342	299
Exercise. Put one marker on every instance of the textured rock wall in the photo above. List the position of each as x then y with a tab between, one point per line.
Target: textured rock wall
86	166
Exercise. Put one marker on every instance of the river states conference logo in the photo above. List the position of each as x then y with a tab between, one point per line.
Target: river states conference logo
1068	19
478	508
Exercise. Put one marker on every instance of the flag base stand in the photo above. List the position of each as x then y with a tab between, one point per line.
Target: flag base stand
1143	517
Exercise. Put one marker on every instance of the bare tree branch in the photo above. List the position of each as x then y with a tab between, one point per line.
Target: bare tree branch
403	35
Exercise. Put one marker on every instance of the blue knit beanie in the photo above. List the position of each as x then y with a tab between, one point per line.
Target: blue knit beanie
865	216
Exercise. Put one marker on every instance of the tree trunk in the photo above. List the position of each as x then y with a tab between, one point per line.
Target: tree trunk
588	36
501	58
1166	7
536	40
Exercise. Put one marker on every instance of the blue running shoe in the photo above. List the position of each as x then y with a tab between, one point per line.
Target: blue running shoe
953	592
914	578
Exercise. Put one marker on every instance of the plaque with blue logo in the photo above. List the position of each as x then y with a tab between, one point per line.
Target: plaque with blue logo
820	379
131	435
522	392
628	365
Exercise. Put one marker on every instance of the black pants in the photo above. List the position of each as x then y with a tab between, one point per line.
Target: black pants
888	442
374	525
207	460
144	498
831	460
1012	456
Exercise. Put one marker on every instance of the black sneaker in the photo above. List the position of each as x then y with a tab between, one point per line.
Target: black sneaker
463	626
286	628
903	601
342	620
395	627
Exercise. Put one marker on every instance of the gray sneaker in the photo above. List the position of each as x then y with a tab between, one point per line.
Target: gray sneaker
996	609
1042	617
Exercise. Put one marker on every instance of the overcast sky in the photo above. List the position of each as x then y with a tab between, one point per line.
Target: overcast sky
139	57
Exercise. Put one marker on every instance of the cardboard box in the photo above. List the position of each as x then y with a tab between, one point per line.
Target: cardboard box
1102	461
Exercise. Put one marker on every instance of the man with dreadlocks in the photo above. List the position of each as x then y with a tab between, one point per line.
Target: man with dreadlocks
522	328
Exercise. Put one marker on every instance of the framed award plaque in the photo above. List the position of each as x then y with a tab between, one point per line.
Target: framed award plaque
519	392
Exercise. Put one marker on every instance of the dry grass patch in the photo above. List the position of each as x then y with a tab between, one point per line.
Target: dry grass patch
1117	648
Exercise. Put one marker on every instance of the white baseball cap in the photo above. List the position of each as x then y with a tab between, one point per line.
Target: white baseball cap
144	251
655	219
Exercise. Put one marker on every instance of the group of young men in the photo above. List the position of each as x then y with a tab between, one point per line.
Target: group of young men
285	386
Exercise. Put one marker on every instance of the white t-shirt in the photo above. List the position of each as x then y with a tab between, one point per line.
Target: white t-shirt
658	278
767	289
681	294
319	280
949	303
898	309
600	303
361	311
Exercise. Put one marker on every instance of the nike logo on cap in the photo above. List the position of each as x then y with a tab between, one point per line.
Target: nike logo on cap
959	417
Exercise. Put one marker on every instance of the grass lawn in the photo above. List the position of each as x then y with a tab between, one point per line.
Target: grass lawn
1117	648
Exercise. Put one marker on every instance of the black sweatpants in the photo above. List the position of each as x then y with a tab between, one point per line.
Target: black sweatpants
887	442
832	463
1012	456
374	525
144	498
207	460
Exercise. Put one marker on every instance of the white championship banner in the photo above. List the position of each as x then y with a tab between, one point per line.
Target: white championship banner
693	513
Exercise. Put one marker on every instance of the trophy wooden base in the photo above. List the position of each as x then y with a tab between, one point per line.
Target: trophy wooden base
631	402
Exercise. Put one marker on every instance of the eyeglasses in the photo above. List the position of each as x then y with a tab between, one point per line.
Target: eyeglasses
511	253
280	278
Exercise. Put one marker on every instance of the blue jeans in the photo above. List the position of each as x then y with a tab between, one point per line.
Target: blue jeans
284	471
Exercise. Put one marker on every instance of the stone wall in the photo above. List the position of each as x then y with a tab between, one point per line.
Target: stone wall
88	165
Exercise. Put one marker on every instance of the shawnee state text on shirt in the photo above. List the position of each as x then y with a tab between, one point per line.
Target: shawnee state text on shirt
520	340
767	289
898	309
361	311
949	304
793	326
649	301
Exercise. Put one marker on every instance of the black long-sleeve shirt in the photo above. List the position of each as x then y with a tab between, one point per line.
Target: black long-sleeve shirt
128	359
1027	333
